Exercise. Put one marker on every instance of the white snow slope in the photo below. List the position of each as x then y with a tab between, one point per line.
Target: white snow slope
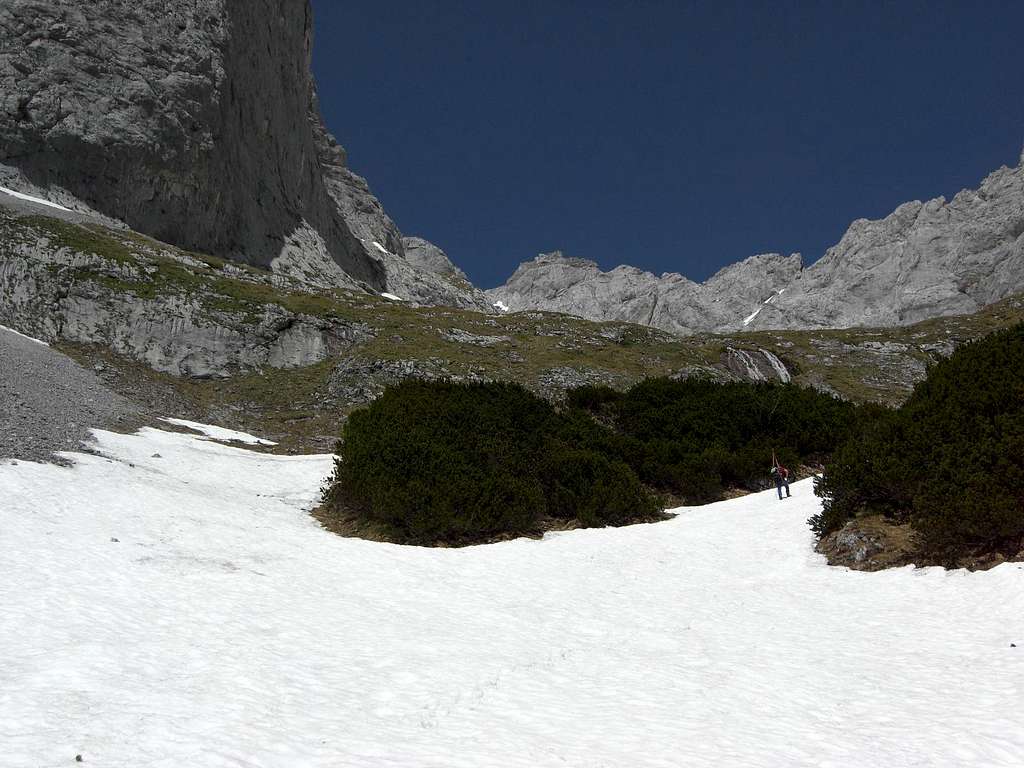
225	628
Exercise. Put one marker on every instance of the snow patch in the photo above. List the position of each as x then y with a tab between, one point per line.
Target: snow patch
171	603
33	199
392	297
381	248
750	318
19	333
219	433
501	306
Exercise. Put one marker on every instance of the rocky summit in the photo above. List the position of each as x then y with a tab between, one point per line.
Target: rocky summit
671	302
924	260
196	123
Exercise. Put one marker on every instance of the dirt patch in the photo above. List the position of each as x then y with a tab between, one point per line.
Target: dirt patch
873	543
870	544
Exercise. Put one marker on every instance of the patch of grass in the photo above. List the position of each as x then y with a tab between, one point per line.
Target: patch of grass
541	341
83	238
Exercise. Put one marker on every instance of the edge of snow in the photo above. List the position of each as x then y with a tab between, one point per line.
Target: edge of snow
219	433
19	333
33	199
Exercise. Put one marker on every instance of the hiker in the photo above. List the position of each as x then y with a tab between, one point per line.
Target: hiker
781	475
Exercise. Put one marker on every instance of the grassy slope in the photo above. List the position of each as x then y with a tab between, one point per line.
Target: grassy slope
294	404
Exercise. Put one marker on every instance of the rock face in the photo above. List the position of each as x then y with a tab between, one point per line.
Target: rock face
758	365
425	275
195	122
426	256
924	260
555	283
173	331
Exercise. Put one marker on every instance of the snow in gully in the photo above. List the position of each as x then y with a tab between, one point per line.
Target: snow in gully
168	601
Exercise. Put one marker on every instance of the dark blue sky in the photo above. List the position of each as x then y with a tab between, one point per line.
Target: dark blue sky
668	135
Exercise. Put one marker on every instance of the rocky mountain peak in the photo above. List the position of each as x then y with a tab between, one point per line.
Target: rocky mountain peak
923	260
196	122
672	302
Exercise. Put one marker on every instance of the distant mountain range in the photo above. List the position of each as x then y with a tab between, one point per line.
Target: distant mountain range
923	260
197	123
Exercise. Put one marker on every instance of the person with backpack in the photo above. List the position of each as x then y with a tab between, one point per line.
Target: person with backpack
781	475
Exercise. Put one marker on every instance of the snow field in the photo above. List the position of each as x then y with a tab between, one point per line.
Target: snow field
225	628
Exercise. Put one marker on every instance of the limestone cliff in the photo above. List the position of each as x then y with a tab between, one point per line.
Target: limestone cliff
196	123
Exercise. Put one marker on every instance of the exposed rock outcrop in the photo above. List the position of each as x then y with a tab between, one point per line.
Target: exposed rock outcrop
756	365
128	306
426	256
424	279
356	380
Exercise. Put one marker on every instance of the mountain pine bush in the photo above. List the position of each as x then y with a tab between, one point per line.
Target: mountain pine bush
950	461
433	462
460	463
695	438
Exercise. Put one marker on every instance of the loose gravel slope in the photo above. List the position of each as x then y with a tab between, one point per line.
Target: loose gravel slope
48	402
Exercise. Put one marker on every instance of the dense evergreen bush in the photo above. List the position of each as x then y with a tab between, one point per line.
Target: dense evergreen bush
950	461
458	463
695	438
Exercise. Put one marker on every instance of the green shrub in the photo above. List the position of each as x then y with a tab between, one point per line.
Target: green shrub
592	397
459	463
695	438
951	460
864	475
588	487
